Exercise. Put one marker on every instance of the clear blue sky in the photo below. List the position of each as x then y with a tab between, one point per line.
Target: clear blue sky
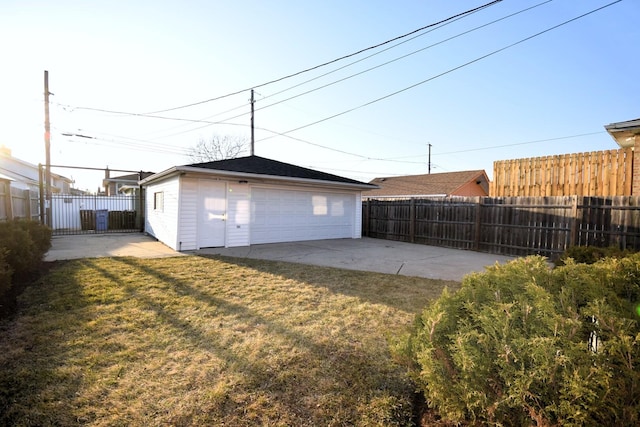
144	56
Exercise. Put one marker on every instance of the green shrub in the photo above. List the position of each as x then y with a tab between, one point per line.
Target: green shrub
591	254
40	235
6	272
511	347
26	243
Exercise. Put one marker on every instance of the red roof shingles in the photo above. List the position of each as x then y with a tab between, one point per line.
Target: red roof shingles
426	185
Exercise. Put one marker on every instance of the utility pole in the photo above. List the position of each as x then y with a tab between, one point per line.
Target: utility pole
47	146
252	129
429	164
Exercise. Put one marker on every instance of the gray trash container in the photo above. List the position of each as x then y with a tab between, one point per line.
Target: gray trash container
102	220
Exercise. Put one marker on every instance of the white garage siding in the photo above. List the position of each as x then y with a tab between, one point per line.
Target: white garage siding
238	212
188	228
285	215
161	219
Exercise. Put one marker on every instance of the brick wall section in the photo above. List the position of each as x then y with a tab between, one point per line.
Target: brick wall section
635	188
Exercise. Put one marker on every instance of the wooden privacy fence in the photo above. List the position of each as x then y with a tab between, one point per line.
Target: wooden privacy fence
598	173
18	203
507	225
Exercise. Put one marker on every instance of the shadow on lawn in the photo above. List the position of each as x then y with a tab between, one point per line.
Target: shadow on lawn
37	385
405	293
292	386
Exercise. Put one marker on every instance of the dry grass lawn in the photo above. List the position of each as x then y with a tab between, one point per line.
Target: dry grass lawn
208	341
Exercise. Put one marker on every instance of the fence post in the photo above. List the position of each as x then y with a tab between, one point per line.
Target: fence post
574	221
478	234
41	190
27	204
412	220
365	218
8	202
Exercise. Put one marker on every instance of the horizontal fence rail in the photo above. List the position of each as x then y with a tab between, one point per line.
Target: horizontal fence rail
507	225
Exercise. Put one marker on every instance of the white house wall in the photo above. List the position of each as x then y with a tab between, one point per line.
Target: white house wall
163	224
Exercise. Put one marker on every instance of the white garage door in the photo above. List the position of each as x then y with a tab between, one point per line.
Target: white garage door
286	216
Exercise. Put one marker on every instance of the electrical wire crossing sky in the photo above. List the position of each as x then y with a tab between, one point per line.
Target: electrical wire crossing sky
357	91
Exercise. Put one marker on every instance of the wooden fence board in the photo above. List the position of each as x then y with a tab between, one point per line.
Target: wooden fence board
598	173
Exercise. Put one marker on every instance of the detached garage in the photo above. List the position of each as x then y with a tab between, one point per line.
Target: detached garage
250	200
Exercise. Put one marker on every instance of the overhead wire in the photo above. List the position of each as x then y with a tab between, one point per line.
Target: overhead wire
209	123
390	61
469	150
368	103
467	12
445	72
152	114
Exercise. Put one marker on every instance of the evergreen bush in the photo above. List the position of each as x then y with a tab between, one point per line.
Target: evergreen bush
6	272
591	254
23	244
524	344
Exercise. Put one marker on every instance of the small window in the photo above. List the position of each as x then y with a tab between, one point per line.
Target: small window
158	201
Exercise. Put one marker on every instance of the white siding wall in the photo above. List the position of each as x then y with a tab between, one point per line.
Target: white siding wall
286	214
357	228
188	228
238	214
163	224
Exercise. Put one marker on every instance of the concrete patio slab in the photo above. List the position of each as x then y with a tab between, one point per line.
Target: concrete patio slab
136	245
366	254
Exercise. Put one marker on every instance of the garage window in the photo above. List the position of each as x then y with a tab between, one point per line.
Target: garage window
158	201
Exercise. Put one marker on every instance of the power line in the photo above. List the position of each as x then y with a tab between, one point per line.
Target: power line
521	143
503	146
446	72
387	62
209	123
467	12
332	149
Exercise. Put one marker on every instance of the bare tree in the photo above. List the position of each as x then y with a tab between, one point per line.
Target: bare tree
217	148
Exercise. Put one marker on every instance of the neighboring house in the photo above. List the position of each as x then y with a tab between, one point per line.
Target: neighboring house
124	184
250	200
627	135
463	183
25	175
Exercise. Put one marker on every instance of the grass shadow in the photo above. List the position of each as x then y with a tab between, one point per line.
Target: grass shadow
405	293
204	340
37	354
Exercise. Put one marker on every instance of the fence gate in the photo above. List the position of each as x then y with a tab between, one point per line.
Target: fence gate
95	214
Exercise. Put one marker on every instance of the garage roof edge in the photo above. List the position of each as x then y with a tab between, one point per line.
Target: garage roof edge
231	174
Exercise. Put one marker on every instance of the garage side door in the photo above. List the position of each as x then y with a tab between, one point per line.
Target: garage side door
288	215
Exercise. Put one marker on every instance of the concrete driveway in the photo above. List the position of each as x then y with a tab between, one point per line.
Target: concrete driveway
366	254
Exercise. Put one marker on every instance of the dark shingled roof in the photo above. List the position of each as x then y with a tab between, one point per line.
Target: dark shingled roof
262	166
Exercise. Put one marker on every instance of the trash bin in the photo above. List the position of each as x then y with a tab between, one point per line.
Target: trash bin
102	220
87	219
129	220
115	220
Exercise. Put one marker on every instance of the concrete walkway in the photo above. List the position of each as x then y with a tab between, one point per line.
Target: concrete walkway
107	245
382	256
